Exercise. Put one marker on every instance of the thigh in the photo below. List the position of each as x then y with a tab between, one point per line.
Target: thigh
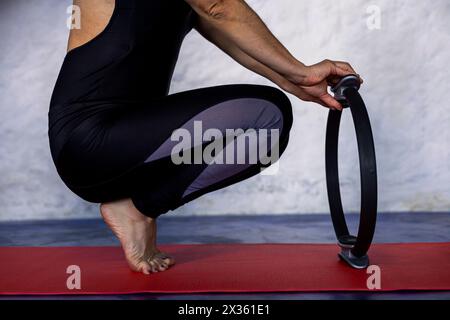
114	156
141	130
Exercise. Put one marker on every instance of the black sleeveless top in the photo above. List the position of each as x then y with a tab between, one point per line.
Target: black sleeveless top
131	60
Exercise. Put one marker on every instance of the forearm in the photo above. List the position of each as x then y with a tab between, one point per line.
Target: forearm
241	57
234	27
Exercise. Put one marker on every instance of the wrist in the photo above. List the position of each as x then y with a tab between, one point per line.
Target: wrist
297	72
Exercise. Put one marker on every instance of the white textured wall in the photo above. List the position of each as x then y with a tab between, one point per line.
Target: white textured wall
404	64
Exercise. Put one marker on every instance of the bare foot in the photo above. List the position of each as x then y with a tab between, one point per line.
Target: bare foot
137	235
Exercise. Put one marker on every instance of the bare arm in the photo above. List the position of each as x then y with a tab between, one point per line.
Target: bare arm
244	59
235	28
233	22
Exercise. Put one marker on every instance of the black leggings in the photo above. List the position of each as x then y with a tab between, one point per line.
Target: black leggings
111	141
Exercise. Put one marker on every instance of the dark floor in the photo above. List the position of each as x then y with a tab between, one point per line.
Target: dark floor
391	227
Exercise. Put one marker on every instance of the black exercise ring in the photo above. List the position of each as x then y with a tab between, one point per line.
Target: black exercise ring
354	249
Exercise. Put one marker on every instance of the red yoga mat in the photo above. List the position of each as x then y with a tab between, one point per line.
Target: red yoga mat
224	268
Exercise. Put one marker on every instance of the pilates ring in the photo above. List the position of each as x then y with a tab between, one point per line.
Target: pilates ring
353	248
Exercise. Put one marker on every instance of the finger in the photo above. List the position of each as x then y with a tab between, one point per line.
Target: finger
315	99
344	73
345	65
330	102
323	104
338	71
333	80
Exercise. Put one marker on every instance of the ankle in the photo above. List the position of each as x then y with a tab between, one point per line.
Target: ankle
125	208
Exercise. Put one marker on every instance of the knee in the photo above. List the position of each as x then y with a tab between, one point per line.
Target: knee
283	105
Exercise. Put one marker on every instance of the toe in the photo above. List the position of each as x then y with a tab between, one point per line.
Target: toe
169	261
154	265
161	265
166	258
144	267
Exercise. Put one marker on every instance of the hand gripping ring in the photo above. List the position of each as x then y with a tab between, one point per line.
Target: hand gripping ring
353	249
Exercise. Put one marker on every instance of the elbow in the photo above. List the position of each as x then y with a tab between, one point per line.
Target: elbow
216	9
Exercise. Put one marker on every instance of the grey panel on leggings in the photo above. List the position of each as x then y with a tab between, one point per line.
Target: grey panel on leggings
243	113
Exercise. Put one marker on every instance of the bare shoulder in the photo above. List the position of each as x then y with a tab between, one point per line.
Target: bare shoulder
94	16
